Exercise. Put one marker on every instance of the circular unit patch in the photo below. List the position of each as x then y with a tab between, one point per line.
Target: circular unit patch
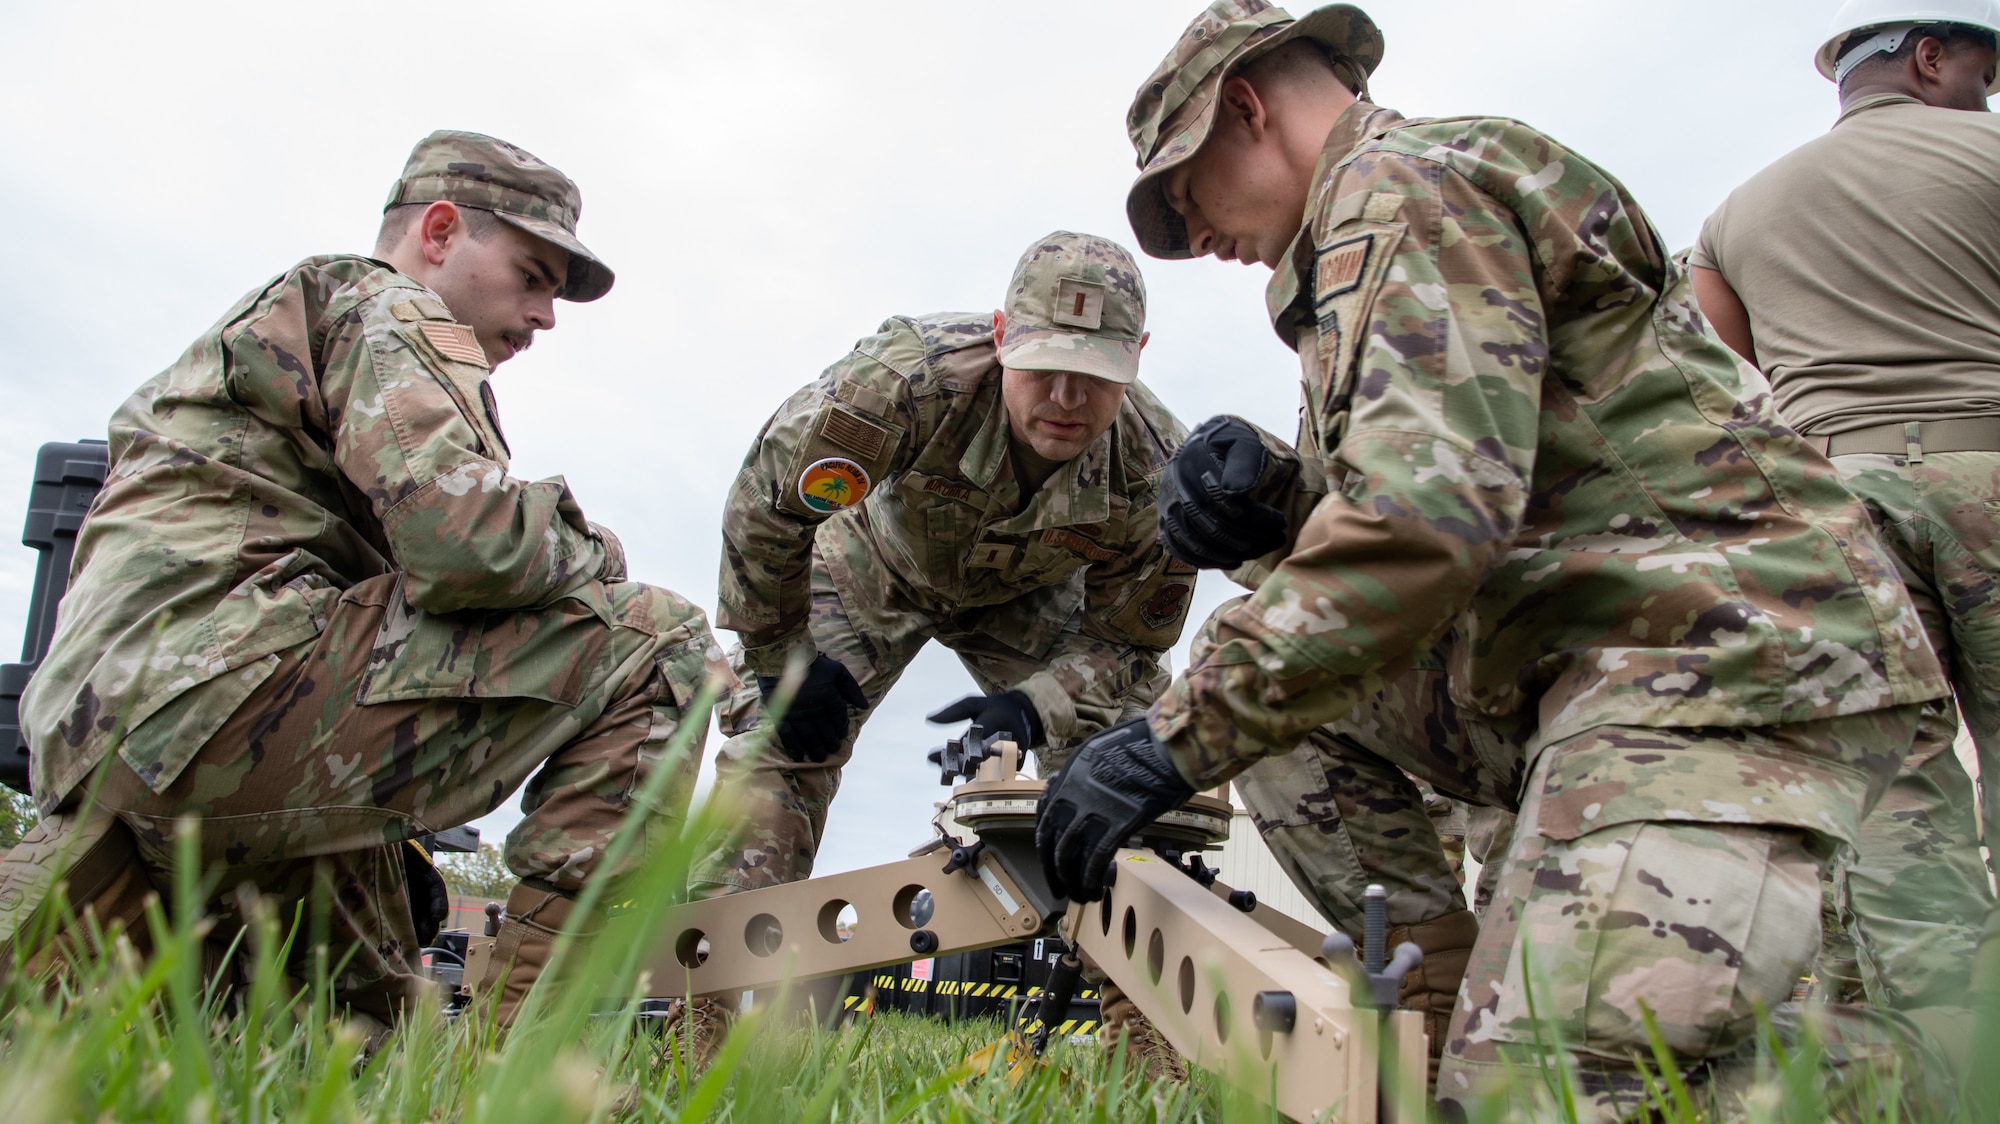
831	484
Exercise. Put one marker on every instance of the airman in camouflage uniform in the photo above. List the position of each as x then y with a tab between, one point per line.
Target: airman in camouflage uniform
952	520
312	609
1664	628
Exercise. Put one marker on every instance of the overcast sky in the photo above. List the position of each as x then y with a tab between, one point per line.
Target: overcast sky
770	181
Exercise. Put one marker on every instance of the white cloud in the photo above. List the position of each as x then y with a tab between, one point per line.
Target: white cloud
769	182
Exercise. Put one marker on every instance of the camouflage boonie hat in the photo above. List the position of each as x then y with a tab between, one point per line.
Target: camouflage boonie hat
1077	303
1171	114
474	170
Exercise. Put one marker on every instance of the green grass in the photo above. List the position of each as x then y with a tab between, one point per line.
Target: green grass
136	1042
123	1040
128	1043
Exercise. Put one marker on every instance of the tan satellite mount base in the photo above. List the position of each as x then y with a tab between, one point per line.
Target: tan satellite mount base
1235	986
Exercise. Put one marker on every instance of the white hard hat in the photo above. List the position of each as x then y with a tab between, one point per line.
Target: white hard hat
1896	17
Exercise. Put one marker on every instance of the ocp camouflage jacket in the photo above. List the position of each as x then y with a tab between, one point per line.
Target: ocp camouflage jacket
910	434
333	426
1530	441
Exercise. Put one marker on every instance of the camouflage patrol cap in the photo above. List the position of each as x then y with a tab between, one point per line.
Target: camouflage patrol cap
475	170
1172	112
1077	303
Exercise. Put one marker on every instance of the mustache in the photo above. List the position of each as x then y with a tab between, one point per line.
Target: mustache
1059	416
520	341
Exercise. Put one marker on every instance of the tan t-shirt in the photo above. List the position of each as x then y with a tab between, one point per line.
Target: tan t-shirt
1869	261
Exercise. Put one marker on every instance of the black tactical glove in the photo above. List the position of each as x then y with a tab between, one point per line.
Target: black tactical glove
816	722
1118	781
1010	711
1208	517
430	898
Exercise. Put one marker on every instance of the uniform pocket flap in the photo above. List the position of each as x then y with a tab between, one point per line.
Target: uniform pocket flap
1617	774
552	653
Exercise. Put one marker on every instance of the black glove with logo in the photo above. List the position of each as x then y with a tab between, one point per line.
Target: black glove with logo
1118	781
1208	518
816	722
1010	711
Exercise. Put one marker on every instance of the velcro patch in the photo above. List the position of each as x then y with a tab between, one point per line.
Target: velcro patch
453	341
828	485
1079	304
1167	605
990	555
863	399
856	435
493	415
950	489
1337	269
1382	206
1077	544
419	308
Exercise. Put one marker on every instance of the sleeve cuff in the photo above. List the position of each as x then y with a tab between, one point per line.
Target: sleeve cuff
769	659
1052	704
613	567
1172	725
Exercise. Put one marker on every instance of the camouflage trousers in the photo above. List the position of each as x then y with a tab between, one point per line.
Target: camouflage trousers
779	806
354	744
1595	906
1303	802
1916	894
1295	801
1707	921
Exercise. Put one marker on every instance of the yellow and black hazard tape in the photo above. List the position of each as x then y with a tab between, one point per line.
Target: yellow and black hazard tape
964	987
865	1005
1069	1026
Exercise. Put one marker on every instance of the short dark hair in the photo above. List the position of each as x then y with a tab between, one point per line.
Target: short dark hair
1951	35
396	223
1302	62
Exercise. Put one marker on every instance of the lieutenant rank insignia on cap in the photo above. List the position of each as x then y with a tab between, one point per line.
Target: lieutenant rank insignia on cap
453	341
1079	304
828	485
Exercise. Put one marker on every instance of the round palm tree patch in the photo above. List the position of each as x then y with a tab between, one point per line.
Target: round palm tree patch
831	484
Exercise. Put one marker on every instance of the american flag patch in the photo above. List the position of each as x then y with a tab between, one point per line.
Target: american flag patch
453	341
1337	269
853	434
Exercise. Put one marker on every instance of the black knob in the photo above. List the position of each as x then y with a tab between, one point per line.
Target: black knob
964	857
493	912
1337	949
924	942
1274	1011
1245	900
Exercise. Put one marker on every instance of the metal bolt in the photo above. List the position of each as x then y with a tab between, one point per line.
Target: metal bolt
1244	900
1274	1011
924	942
1374	929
